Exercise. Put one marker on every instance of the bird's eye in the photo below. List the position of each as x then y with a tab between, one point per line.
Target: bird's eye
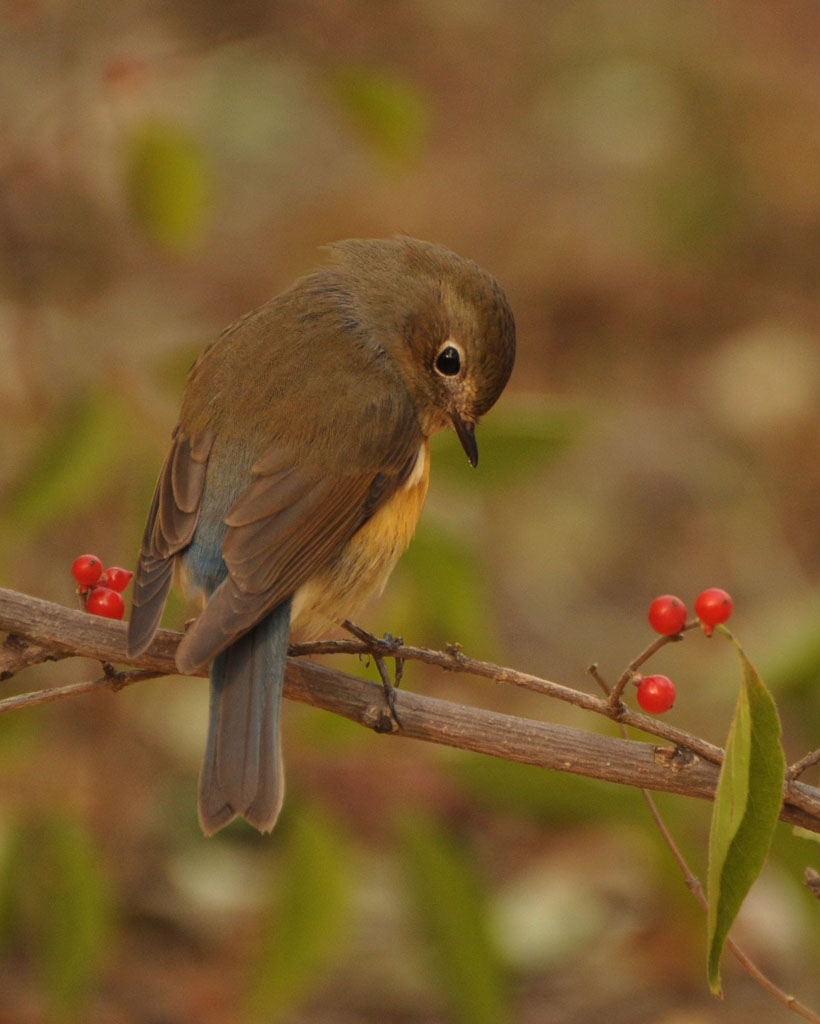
448	361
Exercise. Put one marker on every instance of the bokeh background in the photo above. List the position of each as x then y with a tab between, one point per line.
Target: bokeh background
643	179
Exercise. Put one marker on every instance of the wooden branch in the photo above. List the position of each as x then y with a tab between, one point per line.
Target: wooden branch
454	661
673	768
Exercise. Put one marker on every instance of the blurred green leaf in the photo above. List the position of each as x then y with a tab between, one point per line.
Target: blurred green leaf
747	804
697	206
445	594
387	110
76	916
176	364
451	908
84	441
441	590
305	932
804	833
56	892
12	863
513	443
551	798
794	670
168	183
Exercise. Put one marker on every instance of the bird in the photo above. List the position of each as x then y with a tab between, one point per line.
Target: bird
297	473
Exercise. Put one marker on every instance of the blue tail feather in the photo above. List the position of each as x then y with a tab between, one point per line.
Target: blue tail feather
242	771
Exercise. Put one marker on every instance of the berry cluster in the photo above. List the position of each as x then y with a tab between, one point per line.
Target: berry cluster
668	616
100	589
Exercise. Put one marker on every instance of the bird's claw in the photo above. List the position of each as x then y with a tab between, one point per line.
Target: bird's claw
379	648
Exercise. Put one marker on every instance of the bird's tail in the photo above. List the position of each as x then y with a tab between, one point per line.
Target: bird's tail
242	773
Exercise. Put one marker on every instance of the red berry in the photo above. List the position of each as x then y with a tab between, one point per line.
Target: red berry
86	570
712	606
107	602
115	578
656	694
667	615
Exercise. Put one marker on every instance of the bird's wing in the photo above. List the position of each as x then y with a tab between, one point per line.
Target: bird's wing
293	519
171	522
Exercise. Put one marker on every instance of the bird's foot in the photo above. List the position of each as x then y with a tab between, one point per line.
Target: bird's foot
379	647
383	645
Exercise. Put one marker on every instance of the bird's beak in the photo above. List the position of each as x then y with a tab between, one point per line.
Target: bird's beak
466	434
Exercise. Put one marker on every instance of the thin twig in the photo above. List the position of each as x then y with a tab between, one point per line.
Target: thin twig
454	661
796	770
617	690
105	682
599	679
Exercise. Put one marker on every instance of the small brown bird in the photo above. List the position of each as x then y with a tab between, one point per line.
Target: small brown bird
297	473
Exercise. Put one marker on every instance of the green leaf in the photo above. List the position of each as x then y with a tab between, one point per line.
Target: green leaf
168	183
388	111
305	930
747	804
452	913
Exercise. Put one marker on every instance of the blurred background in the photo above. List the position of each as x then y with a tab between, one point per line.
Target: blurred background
642	178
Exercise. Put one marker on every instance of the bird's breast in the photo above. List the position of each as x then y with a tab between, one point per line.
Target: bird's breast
362	568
